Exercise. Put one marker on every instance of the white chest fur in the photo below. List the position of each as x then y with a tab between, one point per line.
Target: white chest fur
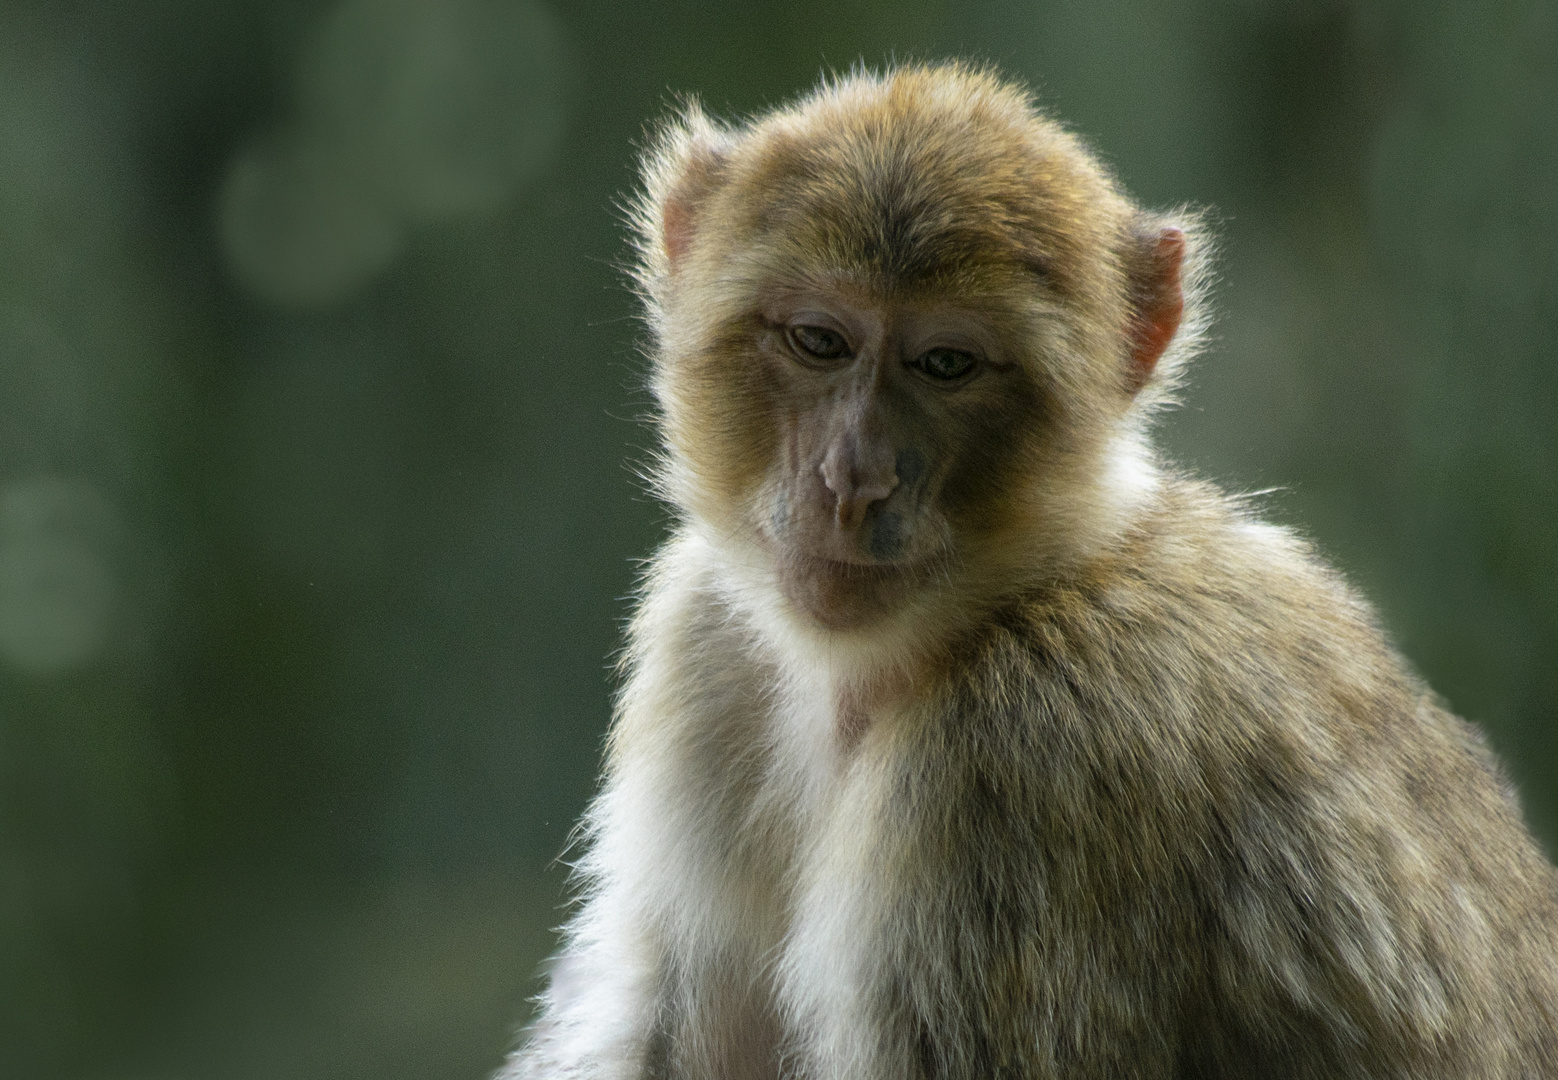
737	825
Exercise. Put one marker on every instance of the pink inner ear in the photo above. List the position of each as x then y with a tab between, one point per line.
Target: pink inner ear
676	226
1162	306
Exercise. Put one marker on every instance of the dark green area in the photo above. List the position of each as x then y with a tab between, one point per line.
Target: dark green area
317	394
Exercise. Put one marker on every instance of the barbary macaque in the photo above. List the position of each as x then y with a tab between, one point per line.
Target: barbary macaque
961	735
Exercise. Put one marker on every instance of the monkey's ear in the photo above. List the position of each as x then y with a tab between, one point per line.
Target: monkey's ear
1157	300
686	170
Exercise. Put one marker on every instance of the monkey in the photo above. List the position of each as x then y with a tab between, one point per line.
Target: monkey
960	733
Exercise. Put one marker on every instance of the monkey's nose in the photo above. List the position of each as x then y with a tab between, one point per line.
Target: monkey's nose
854	489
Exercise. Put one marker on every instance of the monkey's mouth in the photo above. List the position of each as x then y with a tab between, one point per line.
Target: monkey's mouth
883	541
846	594
848	563
861	571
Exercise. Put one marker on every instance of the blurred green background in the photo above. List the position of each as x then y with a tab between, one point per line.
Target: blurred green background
318	382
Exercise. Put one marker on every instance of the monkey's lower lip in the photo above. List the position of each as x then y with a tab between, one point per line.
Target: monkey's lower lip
862	567
841	595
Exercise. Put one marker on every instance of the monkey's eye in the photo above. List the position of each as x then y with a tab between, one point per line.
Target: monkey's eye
945	364
819	342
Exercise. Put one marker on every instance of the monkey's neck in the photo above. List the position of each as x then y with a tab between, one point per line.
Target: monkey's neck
860	703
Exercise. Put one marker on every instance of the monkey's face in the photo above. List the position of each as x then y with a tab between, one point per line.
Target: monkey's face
892	420
870	438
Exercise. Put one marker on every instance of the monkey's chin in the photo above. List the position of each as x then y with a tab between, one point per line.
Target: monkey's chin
847	596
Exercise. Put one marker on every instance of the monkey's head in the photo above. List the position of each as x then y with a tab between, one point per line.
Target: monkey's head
905	331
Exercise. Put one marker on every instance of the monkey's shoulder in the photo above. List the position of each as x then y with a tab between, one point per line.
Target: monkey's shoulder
1212	640
1216	691
1200	592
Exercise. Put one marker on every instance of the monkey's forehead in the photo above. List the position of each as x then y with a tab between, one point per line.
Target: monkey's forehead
924	175
905	228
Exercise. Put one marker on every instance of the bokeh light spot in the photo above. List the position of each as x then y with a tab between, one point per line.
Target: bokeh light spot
300	229
57	587
411	111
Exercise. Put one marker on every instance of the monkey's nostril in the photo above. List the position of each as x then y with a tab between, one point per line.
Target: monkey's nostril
857	480
871	493
852	498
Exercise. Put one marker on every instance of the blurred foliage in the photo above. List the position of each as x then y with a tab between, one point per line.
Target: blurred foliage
317	385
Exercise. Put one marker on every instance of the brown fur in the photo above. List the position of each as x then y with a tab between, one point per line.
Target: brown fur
1101	776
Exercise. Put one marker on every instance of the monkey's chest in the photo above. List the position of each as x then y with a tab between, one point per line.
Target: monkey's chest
797	783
